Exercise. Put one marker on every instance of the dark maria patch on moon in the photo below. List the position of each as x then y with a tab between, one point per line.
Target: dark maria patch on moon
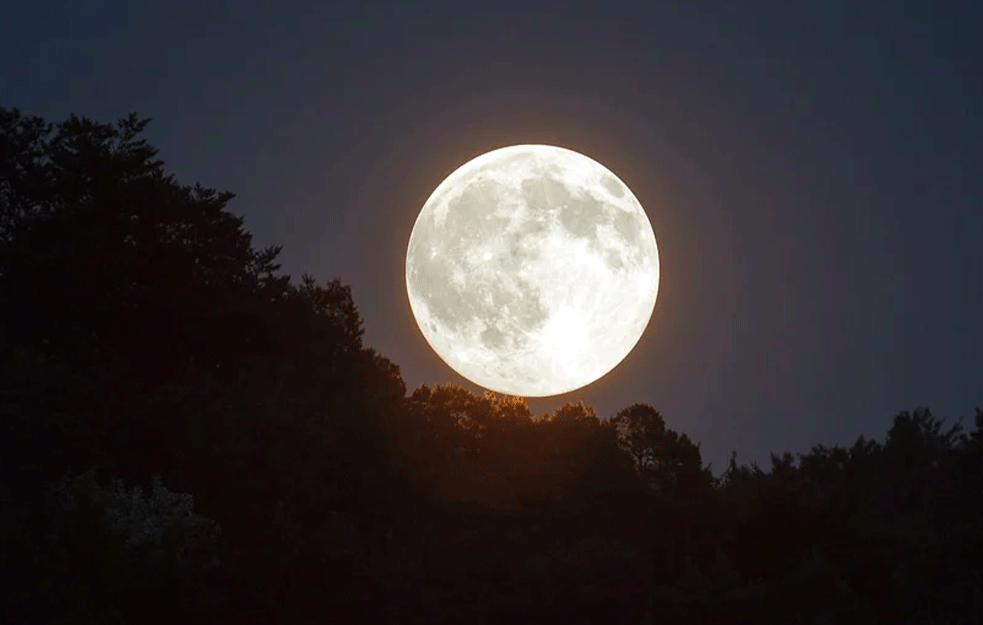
543	193
613	259
492	338
628	227
578	215
612	186
508	307
432	281
491	293
471	218
526	308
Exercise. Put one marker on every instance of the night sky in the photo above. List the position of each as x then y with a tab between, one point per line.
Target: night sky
813	172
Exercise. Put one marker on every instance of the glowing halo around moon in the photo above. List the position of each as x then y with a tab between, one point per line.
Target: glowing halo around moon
532	270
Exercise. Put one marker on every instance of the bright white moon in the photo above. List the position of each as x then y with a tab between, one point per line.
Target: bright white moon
532	270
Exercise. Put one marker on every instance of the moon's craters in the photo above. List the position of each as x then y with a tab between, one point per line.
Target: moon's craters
464	266
532	270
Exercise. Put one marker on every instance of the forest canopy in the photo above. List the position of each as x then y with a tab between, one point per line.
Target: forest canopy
188	433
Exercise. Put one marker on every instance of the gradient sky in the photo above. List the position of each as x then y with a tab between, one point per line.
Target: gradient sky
813	172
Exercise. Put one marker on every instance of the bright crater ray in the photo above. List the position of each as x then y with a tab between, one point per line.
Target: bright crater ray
532	270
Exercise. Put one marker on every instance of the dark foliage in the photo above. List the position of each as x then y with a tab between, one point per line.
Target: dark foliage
148	353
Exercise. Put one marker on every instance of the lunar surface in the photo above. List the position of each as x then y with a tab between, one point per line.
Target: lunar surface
532	270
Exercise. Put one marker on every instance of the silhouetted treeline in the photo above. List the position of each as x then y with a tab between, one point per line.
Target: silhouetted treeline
188	435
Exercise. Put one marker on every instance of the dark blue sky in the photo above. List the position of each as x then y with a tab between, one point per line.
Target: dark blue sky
813	172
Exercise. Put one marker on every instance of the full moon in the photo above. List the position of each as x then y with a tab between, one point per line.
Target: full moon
532	270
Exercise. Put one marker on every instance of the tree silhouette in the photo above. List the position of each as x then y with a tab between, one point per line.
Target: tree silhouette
145	342
665	459
121	249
